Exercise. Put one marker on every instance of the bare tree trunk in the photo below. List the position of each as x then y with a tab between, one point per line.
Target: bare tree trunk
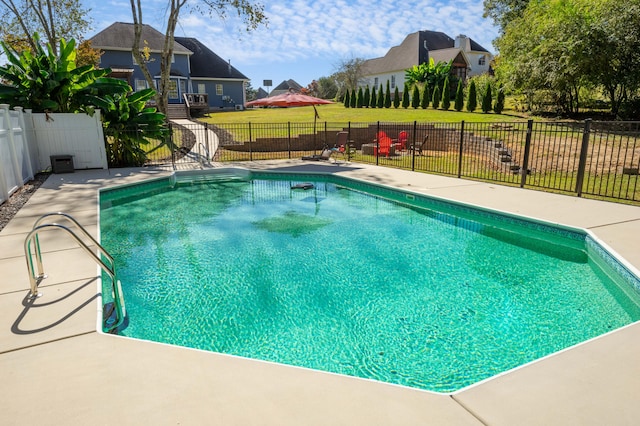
136	11
9	4
46	21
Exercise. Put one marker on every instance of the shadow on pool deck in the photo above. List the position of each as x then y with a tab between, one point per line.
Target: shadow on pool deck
57	369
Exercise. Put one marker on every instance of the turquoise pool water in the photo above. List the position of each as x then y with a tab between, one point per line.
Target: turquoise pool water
386	286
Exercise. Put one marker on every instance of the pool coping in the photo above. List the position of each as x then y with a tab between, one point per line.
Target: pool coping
590	383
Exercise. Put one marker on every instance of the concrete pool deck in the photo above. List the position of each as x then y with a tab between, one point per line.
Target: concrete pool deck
55	368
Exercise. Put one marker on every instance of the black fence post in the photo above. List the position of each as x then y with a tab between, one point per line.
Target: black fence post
250	147
173	147
527	148
289	138
413	144
348	147
206	141
460	149
377	149
582	165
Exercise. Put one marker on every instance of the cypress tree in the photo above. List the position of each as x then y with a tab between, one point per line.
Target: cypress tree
374	98
367	97
415	99
346	99
446	95
487	101
396	98
472	97
436	97
499	106
360	100
459	103
405	96
381	97
353	99
426	97
387	96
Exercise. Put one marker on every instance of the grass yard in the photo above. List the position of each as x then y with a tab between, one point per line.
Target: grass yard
337	113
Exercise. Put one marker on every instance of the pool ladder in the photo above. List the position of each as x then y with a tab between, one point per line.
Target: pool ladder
114	314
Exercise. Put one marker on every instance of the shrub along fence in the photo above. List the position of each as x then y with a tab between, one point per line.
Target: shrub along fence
589	158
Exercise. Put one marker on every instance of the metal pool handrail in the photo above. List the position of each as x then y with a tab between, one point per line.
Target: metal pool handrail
110	324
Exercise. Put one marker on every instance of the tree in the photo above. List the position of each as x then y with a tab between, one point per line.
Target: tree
499	106
487	100
348	74
387	96
437	97
353	102
459	103
367	97
446	95
504	11
415	98
53	20
359	98
252	15
374	98
380	103
347	100
396	98
327	88
426	98
472	97
405	96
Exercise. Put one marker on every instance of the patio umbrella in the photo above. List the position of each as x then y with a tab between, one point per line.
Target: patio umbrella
292	99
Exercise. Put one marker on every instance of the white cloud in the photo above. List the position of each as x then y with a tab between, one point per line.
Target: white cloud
312	36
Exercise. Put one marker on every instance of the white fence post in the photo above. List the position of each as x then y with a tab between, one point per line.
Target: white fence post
4	188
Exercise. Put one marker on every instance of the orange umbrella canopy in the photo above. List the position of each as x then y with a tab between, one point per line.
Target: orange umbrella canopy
289	99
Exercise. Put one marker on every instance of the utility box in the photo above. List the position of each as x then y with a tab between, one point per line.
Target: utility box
61	163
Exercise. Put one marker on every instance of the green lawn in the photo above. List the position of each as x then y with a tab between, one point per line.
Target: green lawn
337	113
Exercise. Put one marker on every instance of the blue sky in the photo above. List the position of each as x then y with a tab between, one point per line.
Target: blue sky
307	39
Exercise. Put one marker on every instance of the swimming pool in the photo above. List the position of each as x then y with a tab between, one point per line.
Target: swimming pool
356	279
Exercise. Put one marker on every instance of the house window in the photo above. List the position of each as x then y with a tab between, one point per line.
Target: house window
482	60
141	85
375	82
173	58
202	89
393	81
183	86
173	89
219	90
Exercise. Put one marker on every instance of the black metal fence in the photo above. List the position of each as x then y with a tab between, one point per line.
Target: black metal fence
589	158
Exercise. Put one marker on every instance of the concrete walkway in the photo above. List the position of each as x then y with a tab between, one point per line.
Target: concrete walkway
56	369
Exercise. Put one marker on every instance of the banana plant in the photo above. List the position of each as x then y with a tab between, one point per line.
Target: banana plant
46	82
133	129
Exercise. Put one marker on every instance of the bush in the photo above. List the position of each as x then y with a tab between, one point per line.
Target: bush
387	96
499	106
446	95
367	97
487	100
347	100
472	97
436	97
381	98
459	103
426	98
374	98
405	96
396	98
415	99
359	99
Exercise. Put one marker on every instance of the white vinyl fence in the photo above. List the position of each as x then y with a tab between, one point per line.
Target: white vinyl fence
28	140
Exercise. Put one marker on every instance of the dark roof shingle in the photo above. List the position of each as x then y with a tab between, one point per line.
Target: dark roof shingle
119	36
205	63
